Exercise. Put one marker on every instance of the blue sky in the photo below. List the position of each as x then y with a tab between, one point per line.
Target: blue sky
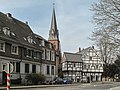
73	18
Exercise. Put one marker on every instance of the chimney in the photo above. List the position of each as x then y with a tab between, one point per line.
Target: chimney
79	50
9	15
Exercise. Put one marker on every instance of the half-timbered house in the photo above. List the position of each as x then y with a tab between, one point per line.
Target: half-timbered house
92	65
72	66
83	66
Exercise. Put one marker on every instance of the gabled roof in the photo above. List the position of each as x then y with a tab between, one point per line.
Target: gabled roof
19	31
73	57
85	51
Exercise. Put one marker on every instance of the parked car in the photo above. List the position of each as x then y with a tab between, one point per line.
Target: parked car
67	81
56	80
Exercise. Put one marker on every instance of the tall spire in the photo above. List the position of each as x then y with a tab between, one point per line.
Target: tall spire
53	34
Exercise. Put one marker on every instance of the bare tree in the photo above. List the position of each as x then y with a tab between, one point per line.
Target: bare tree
107	35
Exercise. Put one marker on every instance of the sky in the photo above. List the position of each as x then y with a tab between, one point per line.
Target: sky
73	19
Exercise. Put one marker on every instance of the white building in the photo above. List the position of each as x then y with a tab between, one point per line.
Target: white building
92	65
72	66
83	66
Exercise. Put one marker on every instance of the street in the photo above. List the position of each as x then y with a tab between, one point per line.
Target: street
91	86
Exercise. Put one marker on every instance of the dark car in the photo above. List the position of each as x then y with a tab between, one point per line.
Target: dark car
56	80
67	81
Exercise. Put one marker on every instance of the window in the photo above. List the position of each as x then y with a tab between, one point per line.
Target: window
54	46
17	66
6	31
47	54
96	66
26	68
43	54
29	53
52	70
52	56
30	40
36	55
90	58
2	46
85	67
88	66
3	67
43	43
33	68
14	49
74	65
48	69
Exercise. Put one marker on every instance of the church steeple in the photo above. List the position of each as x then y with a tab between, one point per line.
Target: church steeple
53	33
54	39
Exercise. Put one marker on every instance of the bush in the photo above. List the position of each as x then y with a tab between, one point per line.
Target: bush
35	78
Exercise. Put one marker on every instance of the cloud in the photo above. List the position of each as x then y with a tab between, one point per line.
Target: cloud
73	18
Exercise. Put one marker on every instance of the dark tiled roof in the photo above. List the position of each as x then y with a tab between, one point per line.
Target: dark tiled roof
40	37
20	31
73	57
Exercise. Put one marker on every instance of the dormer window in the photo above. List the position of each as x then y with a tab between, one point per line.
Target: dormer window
43	43
13	34
6	31
2	46
30	40
24	38
14	49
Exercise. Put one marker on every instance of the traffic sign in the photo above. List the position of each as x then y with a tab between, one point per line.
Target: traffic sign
9	68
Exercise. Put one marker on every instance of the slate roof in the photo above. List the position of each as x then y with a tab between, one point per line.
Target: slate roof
19	31
73	57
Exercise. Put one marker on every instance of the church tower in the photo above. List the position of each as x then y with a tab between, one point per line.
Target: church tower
54	39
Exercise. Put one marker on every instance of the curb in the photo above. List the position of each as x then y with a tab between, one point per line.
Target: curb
38	86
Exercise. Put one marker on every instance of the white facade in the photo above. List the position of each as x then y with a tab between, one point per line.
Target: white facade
90	68
92	65
72	66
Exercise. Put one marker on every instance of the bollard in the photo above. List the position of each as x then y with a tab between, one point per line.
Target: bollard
8	76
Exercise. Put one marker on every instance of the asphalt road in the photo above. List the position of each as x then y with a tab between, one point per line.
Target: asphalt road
92	86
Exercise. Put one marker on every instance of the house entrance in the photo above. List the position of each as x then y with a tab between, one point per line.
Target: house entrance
88	79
